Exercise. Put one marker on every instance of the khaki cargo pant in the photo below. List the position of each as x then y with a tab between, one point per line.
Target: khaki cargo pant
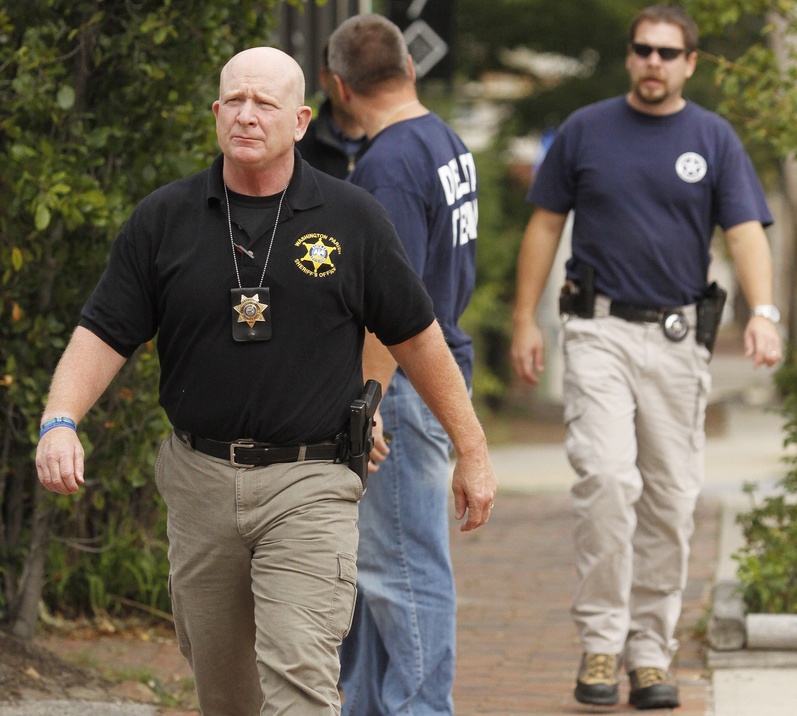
263	575
635	406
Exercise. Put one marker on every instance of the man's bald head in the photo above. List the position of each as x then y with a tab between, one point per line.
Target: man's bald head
265	65
260	115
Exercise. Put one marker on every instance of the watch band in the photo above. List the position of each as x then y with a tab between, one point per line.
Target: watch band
771	313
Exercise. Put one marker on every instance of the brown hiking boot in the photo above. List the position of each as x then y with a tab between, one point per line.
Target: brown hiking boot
597	680
653	688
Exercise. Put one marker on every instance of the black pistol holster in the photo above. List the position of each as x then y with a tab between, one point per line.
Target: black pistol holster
709	315
361	424
577	298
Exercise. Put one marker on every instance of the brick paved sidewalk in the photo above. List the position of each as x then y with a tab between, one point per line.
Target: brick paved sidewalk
517	646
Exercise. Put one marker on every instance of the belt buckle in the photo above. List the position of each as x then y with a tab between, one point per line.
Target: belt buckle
233	447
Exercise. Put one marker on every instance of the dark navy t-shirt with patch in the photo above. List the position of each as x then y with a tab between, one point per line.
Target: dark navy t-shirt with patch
647	192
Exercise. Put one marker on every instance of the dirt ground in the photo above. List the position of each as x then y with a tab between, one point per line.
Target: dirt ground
114	662
28	670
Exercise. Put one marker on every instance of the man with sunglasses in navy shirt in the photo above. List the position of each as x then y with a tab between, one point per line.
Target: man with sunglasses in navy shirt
647	176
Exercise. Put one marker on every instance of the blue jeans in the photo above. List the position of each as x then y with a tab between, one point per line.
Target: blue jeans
399	657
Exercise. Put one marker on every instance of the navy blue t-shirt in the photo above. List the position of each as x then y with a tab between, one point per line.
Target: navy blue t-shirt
425	177
647	192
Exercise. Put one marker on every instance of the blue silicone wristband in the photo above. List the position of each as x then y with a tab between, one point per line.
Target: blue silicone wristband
57	423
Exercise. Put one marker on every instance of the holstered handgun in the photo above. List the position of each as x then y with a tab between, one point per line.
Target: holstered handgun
577	298
361	424
709	315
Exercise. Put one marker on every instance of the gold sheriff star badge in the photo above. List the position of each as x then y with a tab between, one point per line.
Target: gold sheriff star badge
250	310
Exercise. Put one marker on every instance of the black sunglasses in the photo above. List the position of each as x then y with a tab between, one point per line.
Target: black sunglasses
666	53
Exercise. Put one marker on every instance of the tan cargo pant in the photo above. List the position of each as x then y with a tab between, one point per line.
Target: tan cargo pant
263	575
635	406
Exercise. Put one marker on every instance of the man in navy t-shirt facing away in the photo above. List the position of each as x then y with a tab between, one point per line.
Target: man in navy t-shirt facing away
647	177
399	657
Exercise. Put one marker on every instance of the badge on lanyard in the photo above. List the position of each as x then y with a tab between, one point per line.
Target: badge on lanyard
251	314
251	307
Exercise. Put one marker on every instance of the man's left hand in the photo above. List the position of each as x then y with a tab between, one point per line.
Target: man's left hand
762	342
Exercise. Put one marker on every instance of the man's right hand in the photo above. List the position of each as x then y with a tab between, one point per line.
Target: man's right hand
528	351
59	461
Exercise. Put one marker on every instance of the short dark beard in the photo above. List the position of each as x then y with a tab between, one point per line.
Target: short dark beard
658	99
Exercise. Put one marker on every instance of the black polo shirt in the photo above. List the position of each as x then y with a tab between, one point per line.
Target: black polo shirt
336	266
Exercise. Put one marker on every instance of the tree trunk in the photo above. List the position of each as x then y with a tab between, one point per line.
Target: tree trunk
27	612
783	45
788	256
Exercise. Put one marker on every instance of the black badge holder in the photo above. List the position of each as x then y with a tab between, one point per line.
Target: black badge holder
251	307
251	314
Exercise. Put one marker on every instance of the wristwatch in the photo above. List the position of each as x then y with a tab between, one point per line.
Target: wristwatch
771	313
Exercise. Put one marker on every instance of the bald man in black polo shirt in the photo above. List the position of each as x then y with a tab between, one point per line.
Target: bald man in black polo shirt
259	277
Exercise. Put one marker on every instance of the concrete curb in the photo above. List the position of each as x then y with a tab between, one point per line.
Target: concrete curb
726	625
738	639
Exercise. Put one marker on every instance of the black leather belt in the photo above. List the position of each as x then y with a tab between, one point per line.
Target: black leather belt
673	321
634	313
248	453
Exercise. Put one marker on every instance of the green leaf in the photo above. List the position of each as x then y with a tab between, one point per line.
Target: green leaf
98	500
66	97
42	217
20	152
95	198
16	259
